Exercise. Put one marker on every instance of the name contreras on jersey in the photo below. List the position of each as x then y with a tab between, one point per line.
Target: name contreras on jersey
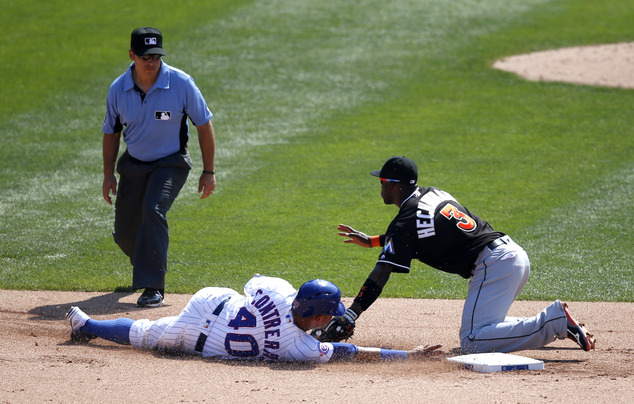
426	208
271	318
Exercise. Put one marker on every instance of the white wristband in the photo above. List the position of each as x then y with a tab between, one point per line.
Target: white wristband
351	315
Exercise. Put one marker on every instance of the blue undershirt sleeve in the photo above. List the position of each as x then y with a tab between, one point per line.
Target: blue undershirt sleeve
112	330
344	351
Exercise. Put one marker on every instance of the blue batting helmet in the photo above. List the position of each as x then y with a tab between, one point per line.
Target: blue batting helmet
318	297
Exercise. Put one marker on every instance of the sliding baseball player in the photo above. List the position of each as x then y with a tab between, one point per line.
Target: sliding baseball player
269	322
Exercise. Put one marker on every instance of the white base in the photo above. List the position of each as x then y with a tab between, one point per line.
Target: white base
497	362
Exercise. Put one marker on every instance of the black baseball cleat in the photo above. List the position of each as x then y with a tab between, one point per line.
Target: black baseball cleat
578	332
150	298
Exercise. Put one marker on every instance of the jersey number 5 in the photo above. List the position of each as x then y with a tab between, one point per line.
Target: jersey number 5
464	221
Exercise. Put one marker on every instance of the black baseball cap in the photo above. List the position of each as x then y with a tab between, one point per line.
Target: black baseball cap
398	169
147	41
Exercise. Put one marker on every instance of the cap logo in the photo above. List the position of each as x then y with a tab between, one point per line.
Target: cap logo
150	41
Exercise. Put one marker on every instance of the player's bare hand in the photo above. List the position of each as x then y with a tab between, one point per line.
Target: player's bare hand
206	185
354	236
109	185
425	352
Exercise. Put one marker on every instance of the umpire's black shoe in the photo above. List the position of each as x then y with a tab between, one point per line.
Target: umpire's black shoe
150	298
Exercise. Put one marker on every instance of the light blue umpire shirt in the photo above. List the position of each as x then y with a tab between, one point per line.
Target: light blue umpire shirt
157	126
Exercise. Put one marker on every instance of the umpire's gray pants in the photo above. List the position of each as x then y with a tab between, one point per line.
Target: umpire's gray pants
145	193
499	277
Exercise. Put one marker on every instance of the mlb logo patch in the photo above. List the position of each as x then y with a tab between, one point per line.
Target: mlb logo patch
162	115
150	41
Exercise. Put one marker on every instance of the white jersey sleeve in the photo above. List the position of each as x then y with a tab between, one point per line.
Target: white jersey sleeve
298	346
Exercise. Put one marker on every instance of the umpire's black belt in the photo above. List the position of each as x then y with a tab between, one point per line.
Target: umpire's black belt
492	245
202	338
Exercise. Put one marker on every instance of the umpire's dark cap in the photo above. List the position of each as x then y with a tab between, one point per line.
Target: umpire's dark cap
398	169
147	41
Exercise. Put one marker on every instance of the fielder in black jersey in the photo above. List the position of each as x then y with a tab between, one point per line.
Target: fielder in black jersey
434	228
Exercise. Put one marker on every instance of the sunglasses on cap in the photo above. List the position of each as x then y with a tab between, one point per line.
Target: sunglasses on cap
388	180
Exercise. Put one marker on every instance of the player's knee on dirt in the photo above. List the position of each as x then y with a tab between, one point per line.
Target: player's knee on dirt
469	346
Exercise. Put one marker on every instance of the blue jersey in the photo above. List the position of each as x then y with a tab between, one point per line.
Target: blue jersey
155	124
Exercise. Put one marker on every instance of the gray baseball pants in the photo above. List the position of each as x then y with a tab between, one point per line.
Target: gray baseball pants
499	277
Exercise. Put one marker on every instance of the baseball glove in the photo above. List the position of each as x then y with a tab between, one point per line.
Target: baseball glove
339	328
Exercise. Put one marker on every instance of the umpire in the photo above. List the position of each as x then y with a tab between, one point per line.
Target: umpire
152	101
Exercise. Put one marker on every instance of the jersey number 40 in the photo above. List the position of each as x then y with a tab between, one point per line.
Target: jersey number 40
244	318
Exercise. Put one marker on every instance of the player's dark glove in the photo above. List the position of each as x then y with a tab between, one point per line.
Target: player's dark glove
338	328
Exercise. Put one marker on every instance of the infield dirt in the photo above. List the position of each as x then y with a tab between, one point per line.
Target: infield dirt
600	65
39	364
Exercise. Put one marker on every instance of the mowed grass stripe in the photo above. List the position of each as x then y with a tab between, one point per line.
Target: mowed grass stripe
306	98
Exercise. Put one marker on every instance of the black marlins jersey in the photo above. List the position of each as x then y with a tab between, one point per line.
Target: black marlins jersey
433	227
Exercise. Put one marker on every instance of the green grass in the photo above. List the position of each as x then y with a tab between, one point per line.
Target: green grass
308	97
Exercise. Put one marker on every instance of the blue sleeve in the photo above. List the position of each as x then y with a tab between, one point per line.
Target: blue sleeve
111	123
344	351
196	108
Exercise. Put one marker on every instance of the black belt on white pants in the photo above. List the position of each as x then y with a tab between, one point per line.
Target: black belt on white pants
492	245
202	338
